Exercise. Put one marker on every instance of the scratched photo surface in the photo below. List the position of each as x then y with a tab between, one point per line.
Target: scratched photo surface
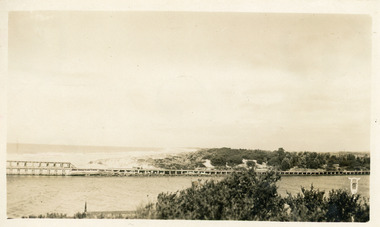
187	115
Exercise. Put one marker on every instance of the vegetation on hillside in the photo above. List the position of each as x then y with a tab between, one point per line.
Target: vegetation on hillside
227	158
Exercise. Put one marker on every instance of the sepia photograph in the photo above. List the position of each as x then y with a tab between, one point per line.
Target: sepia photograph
185	115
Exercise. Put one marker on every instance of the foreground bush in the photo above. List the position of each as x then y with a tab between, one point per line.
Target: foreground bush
48	215
338	206
80	215
145	212
343	207
248	196
306	206
244	196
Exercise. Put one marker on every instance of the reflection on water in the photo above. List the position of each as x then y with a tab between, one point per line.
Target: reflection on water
36	195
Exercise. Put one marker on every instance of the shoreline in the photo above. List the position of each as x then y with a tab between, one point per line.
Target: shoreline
285	184
100	158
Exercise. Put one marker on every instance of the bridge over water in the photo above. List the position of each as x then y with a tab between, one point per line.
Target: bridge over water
68	169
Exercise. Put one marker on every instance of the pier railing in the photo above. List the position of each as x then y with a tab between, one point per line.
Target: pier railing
68	169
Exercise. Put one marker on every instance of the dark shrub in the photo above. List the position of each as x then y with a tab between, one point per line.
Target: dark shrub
80	215
338	206
240	196
307	205
343	207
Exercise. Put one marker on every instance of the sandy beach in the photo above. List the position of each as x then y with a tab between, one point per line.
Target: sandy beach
93	157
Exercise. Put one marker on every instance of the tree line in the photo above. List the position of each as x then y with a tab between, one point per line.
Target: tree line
283	160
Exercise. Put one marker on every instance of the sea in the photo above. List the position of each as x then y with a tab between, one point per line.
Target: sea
35	195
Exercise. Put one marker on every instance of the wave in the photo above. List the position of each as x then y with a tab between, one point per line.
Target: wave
119	159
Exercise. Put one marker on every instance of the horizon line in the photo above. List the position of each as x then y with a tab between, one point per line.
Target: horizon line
187	147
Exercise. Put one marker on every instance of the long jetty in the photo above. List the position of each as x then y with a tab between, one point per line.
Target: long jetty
68	169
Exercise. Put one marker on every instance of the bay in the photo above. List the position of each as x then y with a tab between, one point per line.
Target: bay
35	195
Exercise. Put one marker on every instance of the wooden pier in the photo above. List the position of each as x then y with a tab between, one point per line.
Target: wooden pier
39	168
68	169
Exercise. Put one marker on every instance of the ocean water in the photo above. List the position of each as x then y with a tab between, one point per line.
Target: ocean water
34	195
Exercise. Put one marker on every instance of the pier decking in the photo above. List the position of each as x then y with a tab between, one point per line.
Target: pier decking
68	169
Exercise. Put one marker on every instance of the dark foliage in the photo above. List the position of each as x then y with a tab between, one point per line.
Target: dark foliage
282	160
80	215
48	215
248	196
338	206
244	196
343	207
306	206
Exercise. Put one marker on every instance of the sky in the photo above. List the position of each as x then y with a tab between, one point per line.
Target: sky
190	79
